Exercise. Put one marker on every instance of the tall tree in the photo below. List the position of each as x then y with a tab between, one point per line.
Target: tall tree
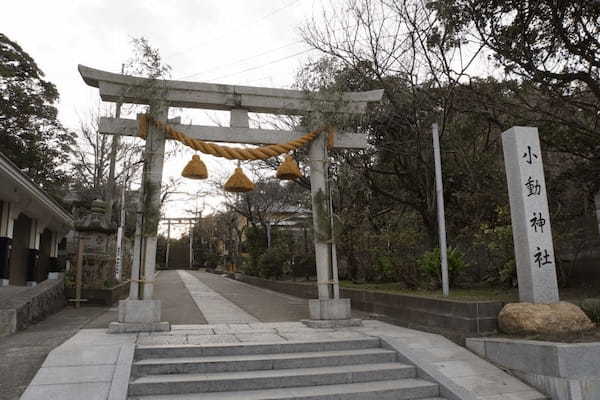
552	42
30	133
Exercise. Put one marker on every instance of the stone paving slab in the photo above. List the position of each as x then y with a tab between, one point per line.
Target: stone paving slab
448	362
100	368
71	391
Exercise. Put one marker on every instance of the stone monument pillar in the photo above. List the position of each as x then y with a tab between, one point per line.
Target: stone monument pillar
532	235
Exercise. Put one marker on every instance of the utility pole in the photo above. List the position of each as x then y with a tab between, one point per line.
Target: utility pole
191	244
116	140
168	244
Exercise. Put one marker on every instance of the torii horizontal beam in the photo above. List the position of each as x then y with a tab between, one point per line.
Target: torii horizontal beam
129	127
182	220
128	89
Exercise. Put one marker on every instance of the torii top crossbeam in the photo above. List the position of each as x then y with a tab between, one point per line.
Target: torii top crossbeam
237	99
121	88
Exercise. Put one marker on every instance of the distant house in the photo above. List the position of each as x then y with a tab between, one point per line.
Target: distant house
289	217
31	226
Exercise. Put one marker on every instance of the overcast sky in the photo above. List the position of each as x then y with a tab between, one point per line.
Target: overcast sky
253	43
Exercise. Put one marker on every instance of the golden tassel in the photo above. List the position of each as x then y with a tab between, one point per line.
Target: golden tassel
238	182
288	170
195	169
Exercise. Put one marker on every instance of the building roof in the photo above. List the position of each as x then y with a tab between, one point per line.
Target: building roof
29	198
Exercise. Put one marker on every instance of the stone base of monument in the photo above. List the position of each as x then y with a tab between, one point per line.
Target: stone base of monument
55	275
139	316
331	313
556	318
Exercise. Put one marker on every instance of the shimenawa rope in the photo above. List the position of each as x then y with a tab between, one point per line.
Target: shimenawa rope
232	153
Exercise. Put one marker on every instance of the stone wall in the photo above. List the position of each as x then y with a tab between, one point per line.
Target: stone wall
31	305
455	319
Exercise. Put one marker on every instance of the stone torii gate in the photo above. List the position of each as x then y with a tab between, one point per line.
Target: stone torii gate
141	311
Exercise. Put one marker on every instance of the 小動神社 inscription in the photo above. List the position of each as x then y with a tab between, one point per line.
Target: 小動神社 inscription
532	234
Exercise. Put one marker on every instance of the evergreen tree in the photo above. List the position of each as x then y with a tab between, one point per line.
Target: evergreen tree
30	133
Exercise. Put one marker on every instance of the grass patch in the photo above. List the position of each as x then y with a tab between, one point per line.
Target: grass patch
492	294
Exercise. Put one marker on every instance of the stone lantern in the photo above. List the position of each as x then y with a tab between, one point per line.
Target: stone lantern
96	234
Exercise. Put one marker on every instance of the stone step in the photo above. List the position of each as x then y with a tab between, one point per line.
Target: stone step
269	379
403	389
236	363
207	350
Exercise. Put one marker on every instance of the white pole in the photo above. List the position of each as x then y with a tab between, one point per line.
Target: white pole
439	190
191	244
168	244
119	255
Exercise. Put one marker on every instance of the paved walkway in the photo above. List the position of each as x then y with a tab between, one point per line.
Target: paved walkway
265	305
178	306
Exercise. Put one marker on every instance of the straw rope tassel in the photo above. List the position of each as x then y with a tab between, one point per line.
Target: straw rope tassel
288	170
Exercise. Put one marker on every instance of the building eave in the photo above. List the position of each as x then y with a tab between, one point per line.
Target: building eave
28	197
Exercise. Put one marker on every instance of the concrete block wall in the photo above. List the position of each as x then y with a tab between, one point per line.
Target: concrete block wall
456	319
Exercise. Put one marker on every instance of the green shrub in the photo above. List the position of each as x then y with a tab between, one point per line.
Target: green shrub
271	263
249	267
430	264
386	269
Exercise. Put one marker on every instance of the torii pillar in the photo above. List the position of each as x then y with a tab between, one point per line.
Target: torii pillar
141	311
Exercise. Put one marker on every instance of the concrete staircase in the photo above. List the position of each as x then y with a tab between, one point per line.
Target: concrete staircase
354	369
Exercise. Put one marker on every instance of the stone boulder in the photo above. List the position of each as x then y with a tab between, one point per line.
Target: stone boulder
528	318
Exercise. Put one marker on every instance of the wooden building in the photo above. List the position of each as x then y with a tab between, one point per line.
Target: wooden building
31	227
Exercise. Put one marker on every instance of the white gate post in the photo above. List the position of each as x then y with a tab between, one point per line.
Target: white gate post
144	314
318	188
328	309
